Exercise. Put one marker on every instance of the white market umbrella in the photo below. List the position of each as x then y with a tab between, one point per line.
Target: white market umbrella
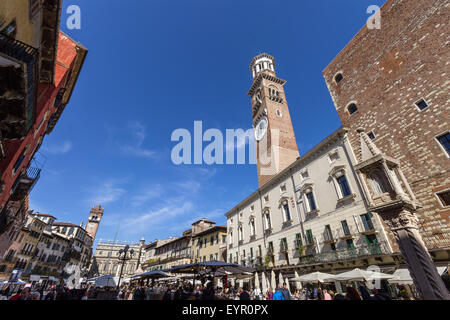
298	283
359	275
280	279
242	276
272	281
402	276
314	277
257	281
264	282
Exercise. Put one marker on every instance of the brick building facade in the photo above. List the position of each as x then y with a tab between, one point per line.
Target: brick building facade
392	82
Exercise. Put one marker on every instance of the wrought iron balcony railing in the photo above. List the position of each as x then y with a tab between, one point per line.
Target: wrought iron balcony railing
20	51
25	183
346	254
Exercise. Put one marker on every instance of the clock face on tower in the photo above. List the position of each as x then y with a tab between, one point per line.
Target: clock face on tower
261	129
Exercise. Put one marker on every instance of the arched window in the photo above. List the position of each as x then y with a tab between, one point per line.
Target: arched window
267	221
352	108
338	77
286	212
252	227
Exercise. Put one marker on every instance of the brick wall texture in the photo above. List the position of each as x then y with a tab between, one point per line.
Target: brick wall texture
385	72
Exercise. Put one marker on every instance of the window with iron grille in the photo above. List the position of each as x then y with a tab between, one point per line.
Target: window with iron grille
34	7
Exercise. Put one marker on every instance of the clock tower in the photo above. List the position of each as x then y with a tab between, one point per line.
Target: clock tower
276	147
94	221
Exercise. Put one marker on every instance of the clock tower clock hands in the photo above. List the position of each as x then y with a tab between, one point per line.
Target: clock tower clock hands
276	146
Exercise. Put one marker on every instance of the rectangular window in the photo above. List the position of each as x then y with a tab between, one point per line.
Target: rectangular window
19	161
298	239
268	223
444	198
251	252
286	212
444	141
309	236
350	243
345	227
421	104
367	222
343	184
283	244
328	233
311	201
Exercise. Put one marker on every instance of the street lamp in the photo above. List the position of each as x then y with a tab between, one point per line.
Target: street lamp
123	257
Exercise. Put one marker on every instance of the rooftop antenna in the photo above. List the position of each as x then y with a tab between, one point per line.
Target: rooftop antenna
120	219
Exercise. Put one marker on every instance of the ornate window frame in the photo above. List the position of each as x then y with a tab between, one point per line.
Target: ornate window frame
306	189
266	212
337	172
284	200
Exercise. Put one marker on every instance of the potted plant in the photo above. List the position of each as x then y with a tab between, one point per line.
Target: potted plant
301	250
267	261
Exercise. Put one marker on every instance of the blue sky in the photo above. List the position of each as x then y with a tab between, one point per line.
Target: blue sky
155	66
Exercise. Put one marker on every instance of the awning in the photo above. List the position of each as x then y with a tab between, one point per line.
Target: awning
155	274
402	276
35	277
314	277
104	281
359	275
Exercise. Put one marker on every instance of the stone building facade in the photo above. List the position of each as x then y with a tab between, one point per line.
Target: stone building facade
106	259
79	251
39	67
312	215
392	83
210	244
171	252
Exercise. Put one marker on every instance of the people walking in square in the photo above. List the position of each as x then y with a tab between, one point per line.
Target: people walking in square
278	295
285	291
352	294
326	295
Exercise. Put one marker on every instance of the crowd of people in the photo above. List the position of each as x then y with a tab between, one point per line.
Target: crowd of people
41	292
186	291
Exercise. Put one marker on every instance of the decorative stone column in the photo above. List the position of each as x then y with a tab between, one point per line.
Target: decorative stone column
390	196
404	225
